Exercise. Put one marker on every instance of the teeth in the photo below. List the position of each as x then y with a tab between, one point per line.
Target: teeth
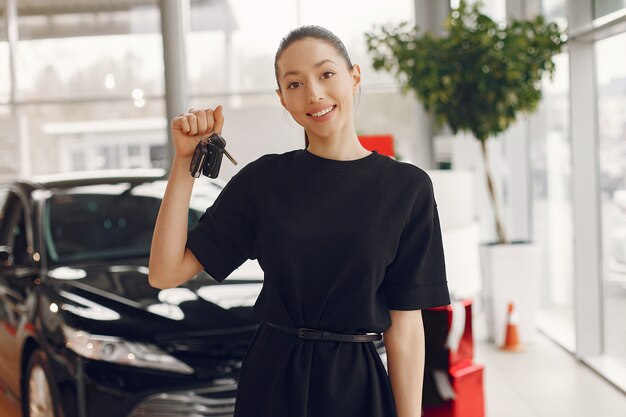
323	112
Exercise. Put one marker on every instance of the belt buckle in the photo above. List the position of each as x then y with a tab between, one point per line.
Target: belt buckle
310	334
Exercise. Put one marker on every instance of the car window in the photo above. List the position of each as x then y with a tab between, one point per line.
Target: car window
20	241
3	199
103	222
3	207
3	216
13	229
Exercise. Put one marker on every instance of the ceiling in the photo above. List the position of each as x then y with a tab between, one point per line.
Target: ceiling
48	8
44	19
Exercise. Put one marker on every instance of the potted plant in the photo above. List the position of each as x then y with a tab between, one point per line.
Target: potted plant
479	77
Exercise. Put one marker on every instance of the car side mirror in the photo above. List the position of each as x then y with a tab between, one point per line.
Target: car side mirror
6	256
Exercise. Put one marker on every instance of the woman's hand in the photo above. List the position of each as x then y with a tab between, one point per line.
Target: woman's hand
189	128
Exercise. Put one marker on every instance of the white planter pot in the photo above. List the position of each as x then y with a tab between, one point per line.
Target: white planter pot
511	272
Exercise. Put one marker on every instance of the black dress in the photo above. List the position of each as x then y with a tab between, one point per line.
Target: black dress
340	243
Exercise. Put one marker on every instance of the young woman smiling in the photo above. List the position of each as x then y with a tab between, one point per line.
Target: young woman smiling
349	241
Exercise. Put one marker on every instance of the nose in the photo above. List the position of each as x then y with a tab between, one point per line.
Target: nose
314	92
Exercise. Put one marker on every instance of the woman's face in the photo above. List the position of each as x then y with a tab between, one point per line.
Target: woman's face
314	78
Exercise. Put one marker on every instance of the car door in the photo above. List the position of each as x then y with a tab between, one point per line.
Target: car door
17	276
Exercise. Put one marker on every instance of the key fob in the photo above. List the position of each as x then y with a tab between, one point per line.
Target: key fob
217	140
198	159
221	142
213	160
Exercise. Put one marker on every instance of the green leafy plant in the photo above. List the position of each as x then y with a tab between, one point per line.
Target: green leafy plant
477	77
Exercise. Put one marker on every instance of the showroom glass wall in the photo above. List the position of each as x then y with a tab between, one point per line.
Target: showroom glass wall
598	131
571	314
567	312
551	167
5	86
90	89
611	87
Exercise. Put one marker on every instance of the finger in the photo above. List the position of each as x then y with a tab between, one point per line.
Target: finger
202	122
219	120
180	123
193	124
210	121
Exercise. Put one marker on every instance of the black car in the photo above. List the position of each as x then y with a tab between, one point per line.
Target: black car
82	333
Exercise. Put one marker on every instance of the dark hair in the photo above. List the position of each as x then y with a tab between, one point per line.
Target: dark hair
316	32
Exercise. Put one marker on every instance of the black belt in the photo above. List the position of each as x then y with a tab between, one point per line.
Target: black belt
312	334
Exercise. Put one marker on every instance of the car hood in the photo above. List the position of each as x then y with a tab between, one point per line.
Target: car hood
116	299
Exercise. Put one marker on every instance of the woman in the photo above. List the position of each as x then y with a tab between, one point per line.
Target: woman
349	241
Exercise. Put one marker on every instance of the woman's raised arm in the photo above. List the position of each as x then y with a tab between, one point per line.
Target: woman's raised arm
171	263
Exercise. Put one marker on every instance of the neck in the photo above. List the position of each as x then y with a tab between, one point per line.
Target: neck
341	145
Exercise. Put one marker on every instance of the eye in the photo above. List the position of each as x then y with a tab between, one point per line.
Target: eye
323	76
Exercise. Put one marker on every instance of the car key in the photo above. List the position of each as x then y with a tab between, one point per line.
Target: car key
197	161
213	161
207	158
230	157
221	142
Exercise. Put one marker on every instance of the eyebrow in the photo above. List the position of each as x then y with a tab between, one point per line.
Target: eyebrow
319	64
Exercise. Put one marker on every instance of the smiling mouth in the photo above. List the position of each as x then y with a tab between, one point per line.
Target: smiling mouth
332	109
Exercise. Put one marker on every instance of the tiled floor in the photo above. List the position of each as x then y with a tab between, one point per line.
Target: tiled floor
543	381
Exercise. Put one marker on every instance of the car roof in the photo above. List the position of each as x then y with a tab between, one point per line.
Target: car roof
81	178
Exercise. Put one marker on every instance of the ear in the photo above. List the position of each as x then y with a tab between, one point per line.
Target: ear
356	76
280	95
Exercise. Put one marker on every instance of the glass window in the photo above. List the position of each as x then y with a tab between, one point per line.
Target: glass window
604	7
123	66
611	79
552	213
236	54
555	10
79	161
5	77
110	93
3	21
90	84
207	66
495	9
94	134
4	58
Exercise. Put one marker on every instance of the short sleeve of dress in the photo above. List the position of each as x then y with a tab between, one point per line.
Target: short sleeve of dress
224	237
416	278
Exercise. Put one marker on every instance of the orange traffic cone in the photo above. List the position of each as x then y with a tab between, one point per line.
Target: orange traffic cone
511	340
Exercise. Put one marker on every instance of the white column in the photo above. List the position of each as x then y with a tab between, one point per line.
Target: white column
18	140
585	178
429	15
174	24
517	210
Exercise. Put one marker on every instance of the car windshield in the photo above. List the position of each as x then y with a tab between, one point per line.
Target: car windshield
110	221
